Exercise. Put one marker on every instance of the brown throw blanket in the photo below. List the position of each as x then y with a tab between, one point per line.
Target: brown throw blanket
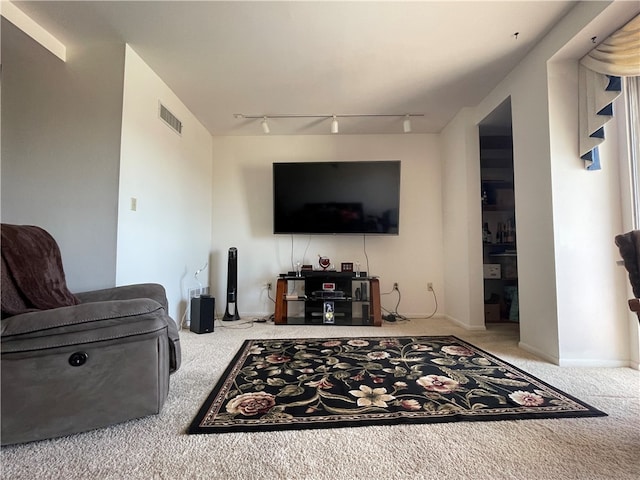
629	246
32	273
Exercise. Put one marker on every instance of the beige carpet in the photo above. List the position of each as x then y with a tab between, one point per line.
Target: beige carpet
157	448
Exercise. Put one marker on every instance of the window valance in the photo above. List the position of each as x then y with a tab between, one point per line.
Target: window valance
600	83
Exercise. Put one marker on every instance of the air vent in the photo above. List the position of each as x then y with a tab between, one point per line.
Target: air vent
170	119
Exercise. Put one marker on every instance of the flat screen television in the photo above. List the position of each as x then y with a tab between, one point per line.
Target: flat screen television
336	197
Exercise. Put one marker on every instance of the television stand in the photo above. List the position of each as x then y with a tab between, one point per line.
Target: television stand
327	297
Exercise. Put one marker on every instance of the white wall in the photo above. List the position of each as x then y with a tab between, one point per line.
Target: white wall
534	215
462	230
242	218
61	147
592	312
168	237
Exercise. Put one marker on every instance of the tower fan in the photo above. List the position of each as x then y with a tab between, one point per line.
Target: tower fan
231	312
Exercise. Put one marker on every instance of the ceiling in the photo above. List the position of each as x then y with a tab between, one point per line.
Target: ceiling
315	58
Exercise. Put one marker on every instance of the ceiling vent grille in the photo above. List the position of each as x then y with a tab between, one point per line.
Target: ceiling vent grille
170	119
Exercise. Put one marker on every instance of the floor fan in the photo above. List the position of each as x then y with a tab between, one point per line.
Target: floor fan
231	312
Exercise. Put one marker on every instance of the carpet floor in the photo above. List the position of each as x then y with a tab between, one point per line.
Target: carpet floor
158	447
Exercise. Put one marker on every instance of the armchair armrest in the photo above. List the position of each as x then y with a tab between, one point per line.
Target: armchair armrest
102	319
154	291
89	322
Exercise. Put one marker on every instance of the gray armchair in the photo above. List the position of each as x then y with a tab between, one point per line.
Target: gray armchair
72	363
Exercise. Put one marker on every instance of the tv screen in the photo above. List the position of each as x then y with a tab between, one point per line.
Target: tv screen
336	197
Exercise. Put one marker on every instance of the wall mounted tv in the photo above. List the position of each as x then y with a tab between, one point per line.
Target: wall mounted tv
336	197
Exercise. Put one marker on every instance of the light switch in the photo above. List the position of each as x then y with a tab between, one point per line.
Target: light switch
134	204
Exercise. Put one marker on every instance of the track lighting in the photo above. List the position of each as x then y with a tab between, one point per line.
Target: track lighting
265	125
406	124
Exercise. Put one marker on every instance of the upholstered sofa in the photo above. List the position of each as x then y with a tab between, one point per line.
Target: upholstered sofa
76	362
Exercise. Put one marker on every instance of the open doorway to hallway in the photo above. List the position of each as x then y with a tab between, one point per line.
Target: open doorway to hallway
499	233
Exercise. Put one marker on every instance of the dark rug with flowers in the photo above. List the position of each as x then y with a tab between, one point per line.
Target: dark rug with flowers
348	382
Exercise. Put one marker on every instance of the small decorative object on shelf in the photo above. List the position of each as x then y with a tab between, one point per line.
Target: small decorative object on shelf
346	267
328	310
486	233
324	262
506	232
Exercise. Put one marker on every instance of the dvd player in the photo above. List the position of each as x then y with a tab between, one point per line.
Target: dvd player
328	294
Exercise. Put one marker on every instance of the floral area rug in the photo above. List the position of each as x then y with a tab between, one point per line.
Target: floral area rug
347	382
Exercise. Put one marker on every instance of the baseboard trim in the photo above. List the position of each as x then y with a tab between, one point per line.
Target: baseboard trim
538	353
591	363
411	316
579	362
471	328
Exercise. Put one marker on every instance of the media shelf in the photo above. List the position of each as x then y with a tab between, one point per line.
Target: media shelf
328	298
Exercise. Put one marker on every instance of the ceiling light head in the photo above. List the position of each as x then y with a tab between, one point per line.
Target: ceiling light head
334	125
406	124
265	125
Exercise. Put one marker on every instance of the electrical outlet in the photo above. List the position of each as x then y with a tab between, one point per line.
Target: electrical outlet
430	286
269	286
395	285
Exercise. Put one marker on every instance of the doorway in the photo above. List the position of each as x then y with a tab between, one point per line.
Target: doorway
499	232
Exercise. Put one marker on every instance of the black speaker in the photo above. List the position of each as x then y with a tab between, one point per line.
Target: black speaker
364	295
203	310
231	312
366	320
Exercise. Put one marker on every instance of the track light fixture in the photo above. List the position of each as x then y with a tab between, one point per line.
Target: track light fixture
406	123
265	125
334	125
